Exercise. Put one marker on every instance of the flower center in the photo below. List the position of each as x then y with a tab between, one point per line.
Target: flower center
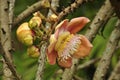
66	46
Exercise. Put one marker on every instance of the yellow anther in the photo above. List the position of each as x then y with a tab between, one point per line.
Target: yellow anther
63	44
61	39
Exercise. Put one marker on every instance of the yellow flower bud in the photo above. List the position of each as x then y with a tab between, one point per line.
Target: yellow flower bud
34	22
46	3
33	51
53	18
24	34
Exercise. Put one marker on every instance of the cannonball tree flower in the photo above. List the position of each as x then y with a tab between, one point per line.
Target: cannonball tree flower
65	44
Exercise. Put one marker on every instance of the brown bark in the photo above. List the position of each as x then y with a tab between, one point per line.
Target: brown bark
104	63
9	72
41	62
27	12
115	75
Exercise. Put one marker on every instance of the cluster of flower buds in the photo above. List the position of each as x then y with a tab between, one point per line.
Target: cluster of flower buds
26	33
35	21
30	33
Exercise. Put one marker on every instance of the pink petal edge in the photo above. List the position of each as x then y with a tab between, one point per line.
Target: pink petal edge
60	27
84	49
52	57
76	24
66	64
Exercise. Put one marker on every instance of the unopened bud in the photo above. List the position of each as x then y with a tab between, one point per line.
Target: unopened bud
24	34
46	3
35	22
33	51
53	18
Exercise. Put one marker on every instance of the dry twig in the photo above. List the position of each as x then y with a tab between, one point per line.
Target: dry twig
104	14
5	31
54	5
116	72
67	10
42	59
87	64
107	54
31	9
77	77
41	62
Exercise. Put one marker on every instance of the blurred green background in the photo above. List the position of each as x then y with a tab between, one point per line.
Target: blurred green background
27	66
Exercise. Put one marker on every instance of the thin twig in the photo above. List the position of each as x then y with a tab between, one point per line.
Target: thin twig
31	9
116	72
42	58
7	61
1	72
87	64
67	10
107	54
54	5
77	77
11	14
118	46
102	17
41	62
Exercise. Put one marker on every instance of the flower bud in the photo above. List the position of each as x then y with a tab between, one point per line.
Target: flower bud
34	22
46	3
33	51
24	34
53	18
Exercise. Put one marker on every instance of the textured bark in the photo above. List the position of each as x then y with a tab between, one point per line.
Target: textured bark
68	10
28	12
41	62
104	14
9	72
116	72
11	12
104	63
6	38
54	5
42	59
87	64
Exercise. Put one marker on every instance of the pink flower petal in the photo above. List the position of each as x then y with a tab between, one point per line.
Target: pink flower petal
84	49
61	27
76	24
62	24
52	41
66	64
52	57
51	53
